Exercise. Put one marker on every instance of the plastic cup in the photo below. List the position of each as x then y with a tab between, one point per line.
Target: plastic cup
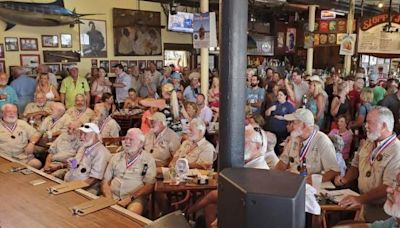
316	181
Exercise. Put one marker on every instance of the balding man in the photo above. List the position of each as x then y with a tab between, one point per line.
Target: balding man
44	69
50	123
73	85
17	137
375	165
24	86
37	110
197	150
108	126
161	141
130	174
7	93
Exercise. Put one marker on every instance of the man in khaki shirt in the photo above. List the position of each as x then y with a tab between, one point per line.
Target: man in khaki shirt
108	126
130	174
38	110
17	137
80	112
57	110
375	165
308	144
197	150
161	141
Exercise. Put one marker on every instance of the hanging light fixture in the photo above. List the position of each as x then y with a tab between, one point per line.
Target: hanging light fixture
380	4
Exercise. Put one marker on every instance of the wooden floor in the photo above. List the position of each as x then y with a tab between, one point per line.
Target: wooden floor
25	205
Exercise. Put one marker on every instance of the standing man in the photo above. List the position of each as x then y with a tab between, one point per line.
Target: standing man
73	85
156	76
130	174
375	165
392	102
122	85
7	93
300	87
190	93
255	95
205	112
24	87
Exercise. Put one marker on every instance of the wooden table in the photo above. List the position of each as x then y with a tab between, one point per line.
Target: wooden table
330	208
166	187
24	205
127	121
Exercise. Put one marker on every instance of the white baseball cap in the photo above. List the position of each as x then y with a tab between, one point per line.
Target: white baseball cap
90	127
302	114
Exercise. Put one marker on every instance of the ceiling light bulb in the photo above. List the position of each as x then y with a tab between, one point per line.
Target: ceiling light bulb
380	5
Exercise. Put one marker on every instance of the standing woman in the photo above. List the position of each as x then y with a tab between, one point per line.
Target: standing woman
213	93
317	101
341	104
345	133
44	86
276	123
366	97
100	86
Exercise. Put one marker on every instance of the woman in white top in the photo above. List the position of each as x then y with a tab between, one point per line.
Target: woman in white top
44	86
100	86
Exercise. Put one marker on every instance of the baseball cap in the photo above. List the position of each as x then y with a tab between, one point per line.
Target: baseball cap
90	127
301	114
316	78
158	116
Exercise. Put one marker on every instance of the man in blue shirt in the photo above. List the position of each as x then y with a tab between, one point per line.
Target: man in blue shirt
25	88
7	93
255	95
191	91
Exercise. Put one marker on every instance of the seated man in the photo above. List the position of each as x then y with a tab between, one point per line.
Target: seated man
90	162
255	145
38	110
63	148
17	137
130	175
308	147
80	112
375	165
50	123
108	126
197	150
270	156
161	141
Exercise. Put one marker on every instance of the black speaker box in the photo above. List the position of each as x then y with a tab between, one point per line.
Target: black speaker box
252	198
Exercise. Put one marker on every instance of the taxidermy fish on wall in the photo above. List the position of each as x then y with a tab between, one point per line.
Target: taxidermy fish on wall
37	14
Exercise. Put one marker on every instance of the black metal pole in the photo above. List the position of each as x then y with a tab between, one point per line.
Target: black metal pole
233	62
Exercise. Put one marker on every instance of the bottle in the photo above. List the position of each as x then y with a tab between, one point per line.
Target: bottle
303	169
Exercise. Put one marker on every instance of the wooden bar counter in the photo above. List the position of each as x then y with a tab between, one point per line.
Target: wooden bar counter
25	205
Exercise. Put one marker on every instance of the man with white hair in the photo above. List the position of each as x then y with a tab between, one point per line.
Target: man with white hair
37	110
197	150
375	165
161	141
254	147
130	174
309	148
63	148
80	112
90	162
108	126
50	123
190	93
17	137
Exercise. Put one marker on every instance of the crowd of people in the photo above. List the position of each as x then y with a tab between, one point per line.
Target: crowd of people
343	128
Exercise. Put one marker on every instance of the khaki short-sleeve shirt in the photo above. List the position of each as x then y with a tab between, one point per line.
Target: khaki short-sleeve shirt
163	146
81	117
64	147
110	128
202	153
13	143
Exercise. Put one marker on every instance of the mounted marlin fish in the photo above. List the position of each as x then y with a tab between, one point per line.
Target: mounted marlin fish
37	14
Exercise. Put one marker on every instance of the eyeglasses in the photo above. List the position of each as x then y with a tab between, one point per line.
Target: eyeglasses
257	129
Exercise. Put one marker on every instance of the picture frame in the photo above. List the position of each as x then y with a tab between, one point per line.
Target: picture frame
2	66
54	68
30	60
148	63
50	41
94	62
11	43
93	38
66	40
11	71
61	56
142	64
28	44
105	64
1	51
160	64
132	63
125	64
66	66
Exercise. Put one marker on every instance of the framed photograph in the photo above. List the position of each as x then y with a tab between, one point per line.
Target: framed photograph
11	71
66	40
125	63
66	66
94	62
1	50
61	56
142	64
150	61
54	68
50	41
30	60
132	63
160	64
113	63
11	43
105	64
2	66
93	38
28	44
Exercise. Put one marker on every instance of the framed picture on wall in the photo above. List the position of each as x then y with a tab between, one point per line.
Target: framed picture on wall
150	61
132	63
105	64
11	43
11	71
28	44
30	60
125	64
93	38
66	66
160	64
50	41
142	64
54	68
66	40
1	50
113	63
2	66
94	62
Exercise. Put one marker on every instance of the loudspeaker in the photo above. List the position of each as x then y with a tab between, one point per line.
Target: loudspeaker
171	220
251	198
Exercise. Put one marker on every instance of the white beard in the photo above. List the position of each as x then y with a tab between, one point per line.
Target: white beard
392	209
296	133
373	136
87	143
10	120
